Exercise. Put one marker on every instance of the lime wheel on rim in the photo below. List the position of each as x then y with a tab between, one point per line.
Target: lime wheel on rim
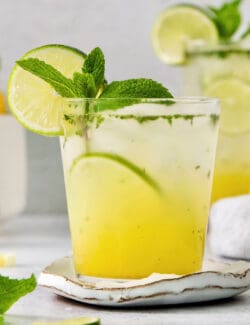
176	27
33	101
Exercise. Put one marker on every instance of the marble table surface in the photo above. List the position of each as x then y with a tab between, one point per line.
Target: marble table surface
38	240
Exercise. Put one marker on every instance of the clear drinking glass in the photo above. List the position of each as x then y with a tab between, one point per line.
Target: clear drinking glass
224	72
138	182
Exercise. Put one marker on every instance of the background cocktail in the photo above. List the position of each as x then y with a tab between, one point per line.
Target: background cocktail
138	185
215	63
224	72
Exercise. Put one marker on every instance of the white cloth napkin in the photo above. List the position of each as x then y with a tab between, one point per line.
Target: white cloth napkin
229	227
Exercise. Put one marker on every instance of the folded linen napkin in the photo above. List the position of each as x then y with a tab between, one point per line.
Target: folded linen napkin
229	227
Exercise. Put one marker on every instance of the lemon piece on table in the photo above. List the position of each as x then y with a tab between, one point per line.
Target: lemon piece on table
179	26
2	104
7	259
33	101
235	108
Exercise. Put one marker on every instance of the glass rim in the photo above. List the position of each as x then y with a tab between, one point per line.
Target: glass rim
181	99
195	106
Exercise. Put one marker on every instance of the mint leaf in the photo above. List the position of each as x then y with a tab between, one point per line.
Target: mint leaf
84	84
129	92
63	86
227	18
136	88
12	289
95	65
79	84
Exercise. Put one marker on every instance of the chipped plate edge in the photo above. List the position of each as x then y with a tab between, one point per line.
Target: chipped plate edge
227	279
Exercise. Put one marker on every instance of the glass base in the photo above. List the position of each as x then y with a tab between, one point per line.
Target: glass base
93	279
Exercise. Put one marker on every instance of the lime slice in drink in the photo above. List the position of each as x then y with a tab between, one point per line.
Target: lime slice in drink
235	108
106	164
179	26
106	191
73	321
33	101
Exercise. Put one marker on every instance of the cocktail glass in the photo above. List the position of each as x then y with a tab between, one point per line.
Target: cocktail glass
138	182
224	72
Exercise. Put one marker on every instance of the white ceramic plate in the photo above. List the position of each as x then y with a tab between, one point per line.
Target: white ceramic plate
217	281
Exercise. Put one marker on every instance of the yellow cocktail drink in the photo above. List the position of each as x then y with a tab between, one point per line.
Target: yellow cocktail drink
138	183
138	164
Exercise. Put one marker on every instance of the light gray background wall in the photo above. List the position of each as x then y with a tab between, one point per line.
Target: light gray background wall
120	27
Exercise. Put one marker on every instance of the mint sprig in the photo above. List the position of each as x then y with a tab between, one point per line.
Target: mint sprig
227	18
91	83
13	289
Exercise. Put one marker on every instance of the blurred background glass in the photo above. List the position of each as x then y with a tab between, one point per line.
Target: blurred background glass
121	28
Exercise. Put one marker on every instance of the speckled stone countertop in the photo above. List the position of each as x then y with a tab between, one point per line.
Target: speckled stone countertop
38	240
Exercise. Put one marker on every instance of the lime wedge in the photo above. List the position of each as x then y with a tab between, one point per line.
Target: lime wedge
235	108
102	160
33	101
73	321
179	26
